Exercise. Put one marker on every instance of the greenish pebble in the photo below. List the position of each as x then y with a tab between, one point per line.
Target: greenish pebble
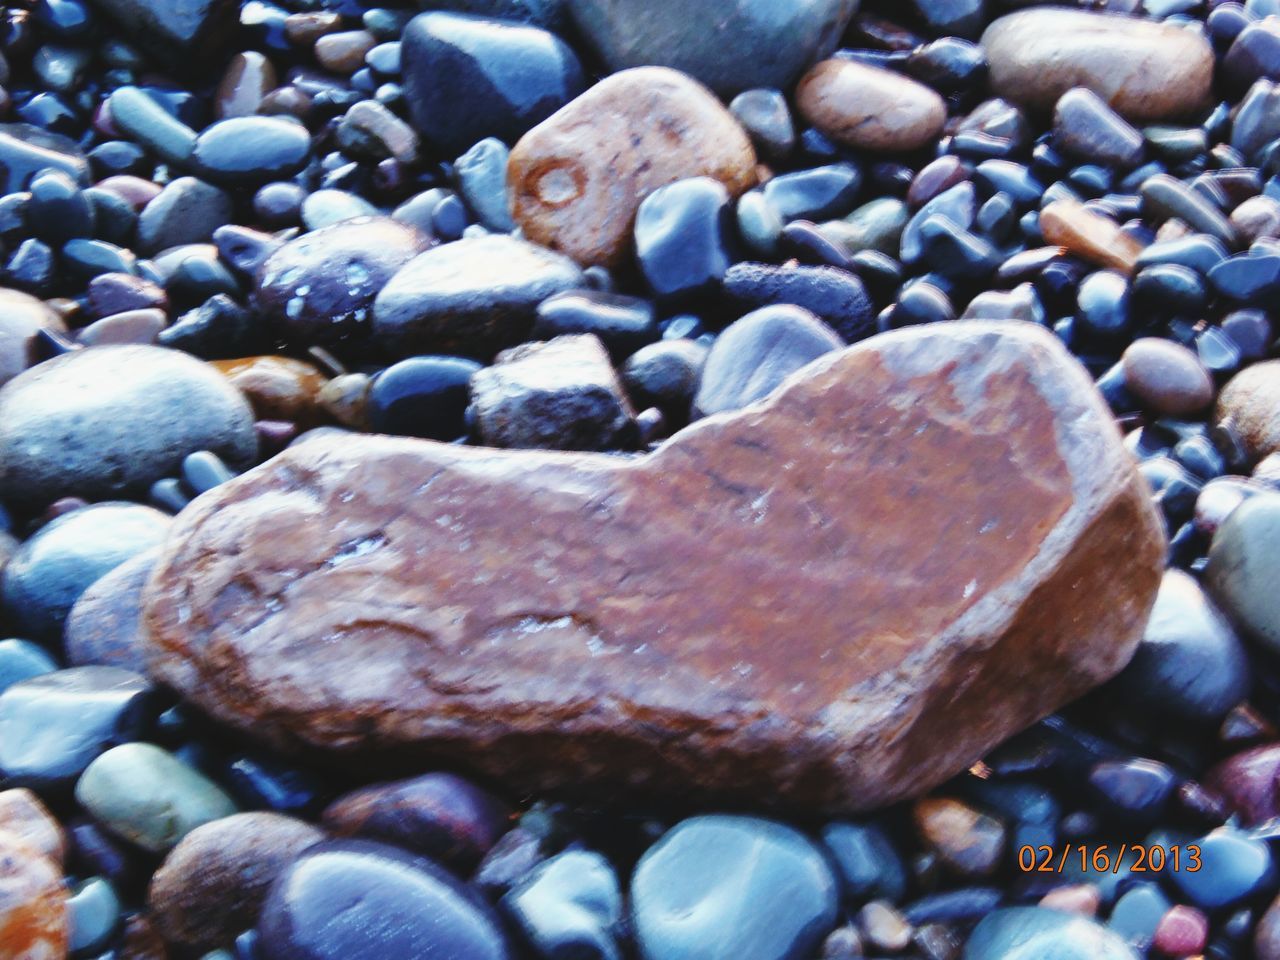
153	127
149	796
877	225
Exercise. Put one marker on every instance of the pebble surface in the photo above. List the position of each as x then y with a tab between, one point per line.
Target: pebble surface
427	495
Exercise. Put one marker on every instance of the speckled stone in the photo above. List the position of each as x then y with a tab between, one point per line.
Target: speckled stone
35	923
1249	405
212	885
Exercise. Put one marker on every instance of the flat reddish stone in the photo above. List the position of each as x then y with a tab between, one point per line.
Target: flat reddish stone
835	598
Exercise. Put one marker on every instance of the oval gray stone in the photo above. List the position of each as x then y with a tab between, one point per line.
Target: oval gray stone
109	421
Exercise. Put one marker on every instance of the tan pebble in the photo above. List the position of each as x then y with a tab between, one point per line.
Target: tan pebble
869	108
1089	235
578	177
278	388
344	52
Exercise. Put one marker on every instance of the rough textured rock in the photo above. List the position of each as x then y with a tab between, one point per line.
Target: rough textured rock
522	642
1143	69
578	177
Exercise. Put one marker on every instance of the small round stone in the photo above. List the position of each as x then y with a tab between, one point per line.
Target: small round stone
247	151
360	900
1166	377
422	397
22	317
212	885
755	354
278	388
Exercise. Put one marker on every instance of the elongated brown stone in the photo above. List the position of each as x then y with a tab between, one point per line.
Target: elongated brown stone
835	598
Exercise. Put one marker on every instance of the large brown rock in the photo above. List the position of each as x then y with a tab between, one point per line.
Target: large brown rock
1144	69
834	598
578	177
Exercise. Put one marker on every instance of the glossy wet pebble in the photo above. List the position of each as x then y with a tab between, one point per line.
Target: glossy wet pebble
444	300
1235	868
1166	377
439	815
66	556
360	900
250	150
1190	664
422	397
1019	933
53	726
22	317
319	288
467	78
148	796
571	904
21	660
112	420
755	889
212	885
756	353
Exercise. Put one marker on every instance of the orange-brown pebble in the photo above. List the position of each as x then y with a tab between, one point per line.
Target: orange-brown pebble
35	922
1081	898
278	388
23	815
1088	235
249	77
578	177
869	108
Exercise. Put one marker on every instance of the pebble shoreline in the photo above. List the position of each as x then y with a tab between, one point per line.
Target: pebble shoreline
276	688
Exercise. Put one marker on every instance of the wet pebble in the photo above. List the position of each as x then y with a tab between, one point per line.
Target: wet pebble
756	353
104	625
53	726
1166	377
1018	932
467	78
278	388
212	885
24	816
34	919
680	239
869	108
757	889
360	900
438	815
112	420
569	904
1249	406
421	397
1244	563
444	300
665	375
149	797
250	150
